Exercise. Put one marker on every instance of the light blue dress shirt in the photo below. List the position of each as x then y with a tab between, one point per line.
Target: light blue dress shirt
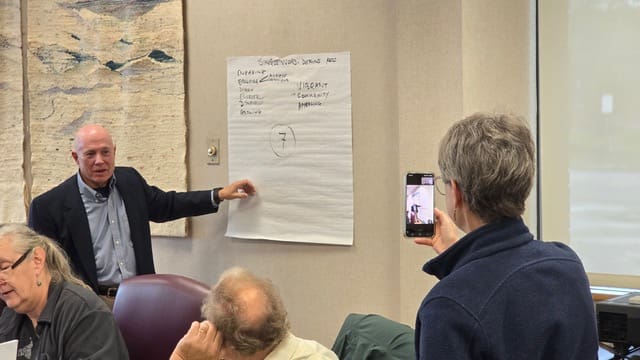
110	233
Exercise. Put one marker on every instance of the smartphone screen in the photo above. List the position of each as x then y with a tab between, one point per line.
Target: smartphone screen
419	217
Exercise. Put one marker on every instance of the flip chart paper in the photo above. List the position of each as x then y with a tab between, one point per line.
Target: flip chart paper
289	123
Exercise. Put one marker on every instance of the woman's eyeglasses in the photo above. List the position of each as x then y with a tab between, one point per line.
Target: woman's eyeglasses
17	262
441	184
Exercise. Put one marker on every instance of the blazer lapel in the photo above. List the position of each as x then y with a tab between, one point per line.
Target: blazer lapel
78	227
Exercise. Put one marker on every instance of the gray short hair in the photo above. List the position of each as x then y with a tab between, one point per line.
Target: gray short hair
492	159
57	263
223	308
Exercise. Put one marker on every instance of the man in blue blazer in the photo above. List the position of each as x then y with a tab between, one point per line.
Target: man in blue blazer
100	216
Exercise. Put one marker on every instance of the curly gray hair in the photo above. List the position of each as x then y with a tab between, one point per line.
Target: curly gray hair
225	308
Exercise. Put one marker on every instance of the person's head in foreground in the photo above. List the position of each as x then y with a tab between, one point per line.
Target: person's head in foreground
51	313
29	262
248	312
487	162
246	320
487	168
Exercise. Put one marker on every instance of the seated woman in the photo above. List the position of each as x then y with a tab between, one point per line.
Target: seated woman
52	313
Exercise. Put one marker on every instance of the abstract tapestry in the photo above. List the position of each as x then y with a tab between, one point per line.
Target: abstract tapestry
12	182
118	63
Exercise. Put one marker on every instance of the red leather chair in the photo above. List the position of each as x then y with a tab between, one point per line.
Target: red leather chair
155	311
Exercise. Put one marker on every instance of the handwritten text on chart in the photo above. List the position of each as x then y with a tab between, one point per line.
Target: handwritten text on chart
256	85
295	61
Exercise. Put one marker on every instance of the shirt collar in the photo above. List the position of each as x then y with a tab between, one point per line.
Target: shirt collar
88	192
52	298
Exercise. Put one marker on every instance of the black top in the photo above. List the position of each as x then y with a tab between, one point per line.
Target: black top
75	324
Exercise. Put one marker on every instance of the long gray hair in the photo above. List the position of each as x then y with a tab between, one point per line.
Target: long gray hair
24	239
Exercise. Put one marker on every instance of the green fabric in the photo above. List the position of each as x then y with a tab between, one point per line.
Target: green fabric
373	337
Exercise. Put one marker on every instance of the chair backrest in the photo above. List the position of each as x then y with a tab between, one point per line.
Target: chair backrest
374	337
154	311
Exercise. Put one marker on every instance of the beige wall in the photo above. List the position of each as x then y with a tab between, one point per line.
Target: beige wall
416	67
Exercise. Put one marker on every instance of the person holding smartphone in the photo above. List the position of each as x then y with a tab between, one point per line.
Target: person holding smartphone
502	294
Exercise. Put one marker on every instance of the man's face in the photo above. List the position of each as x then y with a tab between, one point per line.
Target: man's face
95	155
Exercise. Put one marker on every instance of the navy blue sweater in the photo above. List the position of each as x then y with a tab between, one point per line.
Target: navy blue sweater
503	295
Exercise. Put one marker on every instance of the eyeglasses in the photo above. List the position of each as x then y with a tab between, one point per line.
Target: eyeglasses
441	184
15	264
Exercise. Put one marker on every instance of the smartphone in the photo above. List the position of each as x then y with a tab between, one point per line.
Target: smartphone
419	202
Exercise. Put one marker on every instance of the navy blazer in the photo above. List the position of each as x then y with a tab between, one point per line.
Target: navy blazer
60	214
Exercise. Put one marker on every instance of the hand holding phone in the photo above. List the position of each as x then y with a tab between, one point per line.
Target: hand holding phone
419	201
445	234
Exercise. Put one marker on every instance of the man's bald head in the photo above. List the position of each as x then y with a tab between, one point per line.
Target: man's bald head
95	153
247	310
